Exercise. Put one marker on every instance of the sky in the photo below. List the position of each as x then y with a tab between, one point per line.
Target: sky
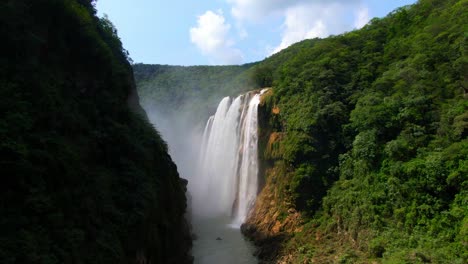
224	32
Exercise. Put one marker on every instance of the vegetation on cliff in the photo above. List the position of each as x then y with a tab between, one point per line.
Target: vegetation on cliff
85	178
374	129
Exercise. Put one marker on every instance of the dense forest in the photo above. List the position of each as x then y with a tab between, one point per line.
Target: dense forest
371	136
85	177
363	137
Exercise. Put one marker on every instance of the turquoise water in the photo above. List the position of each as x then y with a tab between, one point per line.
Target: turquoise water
219	242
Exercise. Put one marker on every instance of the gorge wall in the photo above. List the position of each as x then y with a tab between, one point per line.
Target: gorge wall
85	177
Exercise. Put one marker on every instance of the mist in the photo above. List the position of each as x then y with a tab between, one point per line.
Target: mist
183	135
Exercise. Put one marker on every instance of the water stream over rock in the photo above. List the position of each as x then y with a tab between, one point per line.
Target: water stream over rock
227	176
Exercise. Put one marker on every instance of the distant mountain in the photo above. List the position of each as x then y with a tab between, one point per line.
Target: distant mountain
196	89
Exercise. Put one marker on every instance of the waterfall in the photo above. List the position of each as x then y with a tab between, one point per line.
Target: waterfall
227	177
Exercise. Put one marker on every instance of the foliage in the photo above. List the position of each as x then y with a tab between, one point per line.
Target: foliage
262	76
84	178
376	132
372	126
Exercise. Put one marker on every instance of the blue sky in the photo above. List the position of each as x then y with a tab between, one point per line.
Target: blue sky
201	32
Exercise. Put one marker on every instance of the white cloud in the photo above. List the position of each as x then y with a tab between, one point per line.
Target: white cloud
211	36
299	24
255	10
311	20
362	17
302	18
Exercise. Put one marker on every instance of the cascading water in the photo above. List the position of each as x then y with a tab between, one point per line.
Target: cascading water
227	179
222	174
248	169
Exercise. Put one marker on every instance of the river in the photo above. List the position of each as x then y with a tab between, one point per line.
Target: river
219	242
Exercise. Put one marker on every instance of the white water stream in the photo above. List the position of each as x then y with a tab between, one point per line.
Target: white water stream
227	178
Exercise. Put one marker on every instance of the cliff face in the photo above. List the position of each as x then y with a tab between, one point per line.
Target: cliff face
85	177
273	220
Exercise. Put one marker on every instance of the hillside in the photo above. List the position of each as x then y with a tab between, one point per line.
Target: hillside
364	141
85	177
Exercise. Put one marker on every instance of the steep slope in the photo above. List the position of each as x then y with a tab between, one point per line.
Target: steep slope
365	144
85	178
